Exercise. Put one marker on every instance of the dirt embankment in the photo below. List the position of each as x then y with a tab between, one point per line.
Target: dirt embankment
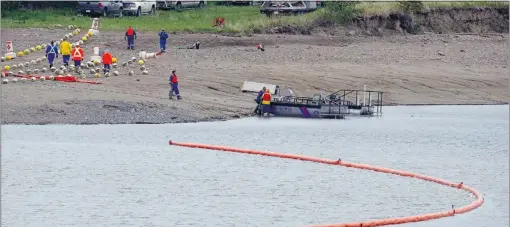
425	68
440	21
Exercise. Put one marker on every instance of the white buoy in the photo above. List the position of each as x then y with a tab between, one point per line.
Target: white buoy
23	80
142	68
38	60
14	80
14	67
10	73
116	73
36	71
52	77
20	65
145	72
32	79
42	78
131	73
5	81
92	71
124	63
44	70
28	71
33	62
21	72
107	74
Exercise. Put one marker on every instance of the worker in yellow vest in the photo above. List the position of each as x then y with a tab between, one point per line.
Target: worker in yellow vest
65	50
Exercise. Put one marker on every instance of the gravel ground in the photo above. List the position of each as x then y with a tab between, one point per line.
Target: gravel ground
413	69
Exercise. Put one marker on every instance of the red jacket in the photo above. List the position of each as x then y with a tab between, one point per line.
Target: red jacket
266	97
130	32
173	78
107	58
78	54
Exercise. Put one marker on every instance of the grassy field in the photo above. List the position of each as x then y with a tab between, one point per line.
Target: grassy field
242	20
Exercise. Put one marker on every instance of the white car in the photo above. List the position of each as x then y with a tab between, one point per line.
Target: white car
139	7
178	5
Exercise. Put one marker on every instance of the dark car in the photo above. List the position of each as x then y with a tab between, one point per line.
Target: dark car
103	8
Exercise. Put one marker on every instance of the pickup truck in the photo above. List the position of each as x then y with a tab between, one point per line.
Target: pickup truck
103	8
288	7
139	7
178	5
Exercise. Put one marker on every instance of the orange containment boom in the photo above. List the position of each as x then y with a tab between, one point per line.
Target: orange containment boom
381	222
62	79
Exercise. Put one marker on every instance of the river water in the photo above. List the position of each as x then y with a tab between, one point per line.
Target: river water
128	175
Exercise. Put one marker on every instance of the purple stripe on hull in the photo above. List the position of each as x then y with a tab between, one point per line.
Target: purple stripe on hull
305	112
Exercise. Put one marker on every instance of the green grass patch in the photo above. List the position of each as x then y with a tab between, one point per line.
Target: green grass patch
242	20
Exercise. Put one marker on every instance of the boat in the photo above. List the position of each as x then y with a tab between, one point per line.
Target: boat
337	105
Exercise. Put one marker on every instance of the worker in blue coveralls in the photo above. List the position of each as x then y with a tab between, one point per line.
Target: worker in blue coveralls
174	86
259	98
130	37
51	53
163	36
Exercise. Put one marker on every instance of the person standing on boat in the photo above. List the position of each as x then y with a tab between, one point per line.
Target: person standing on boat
258	99
266	102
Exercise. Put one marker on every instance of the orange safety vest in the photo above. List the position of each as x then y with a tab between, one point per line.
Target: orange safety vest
174	78
78	54
266	98
130	31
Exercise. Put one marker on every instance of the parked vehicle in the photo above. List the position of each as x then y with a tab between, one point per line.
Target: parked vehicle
139	7
288	7
104	8
178	5
245	3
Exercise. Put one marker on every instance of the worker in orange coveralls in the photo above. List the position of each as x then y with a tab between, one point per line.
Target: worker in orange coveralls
107	61
78	55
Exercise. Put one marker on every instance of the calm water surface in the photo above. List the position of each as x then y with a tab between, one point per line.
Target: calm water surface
127	175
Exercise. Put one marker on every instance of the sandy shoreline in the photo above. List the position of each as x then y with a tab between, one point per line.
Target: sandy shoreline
413	69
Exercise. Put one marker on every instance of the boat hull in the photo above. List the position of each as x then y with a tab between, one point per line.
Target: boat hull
307	111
